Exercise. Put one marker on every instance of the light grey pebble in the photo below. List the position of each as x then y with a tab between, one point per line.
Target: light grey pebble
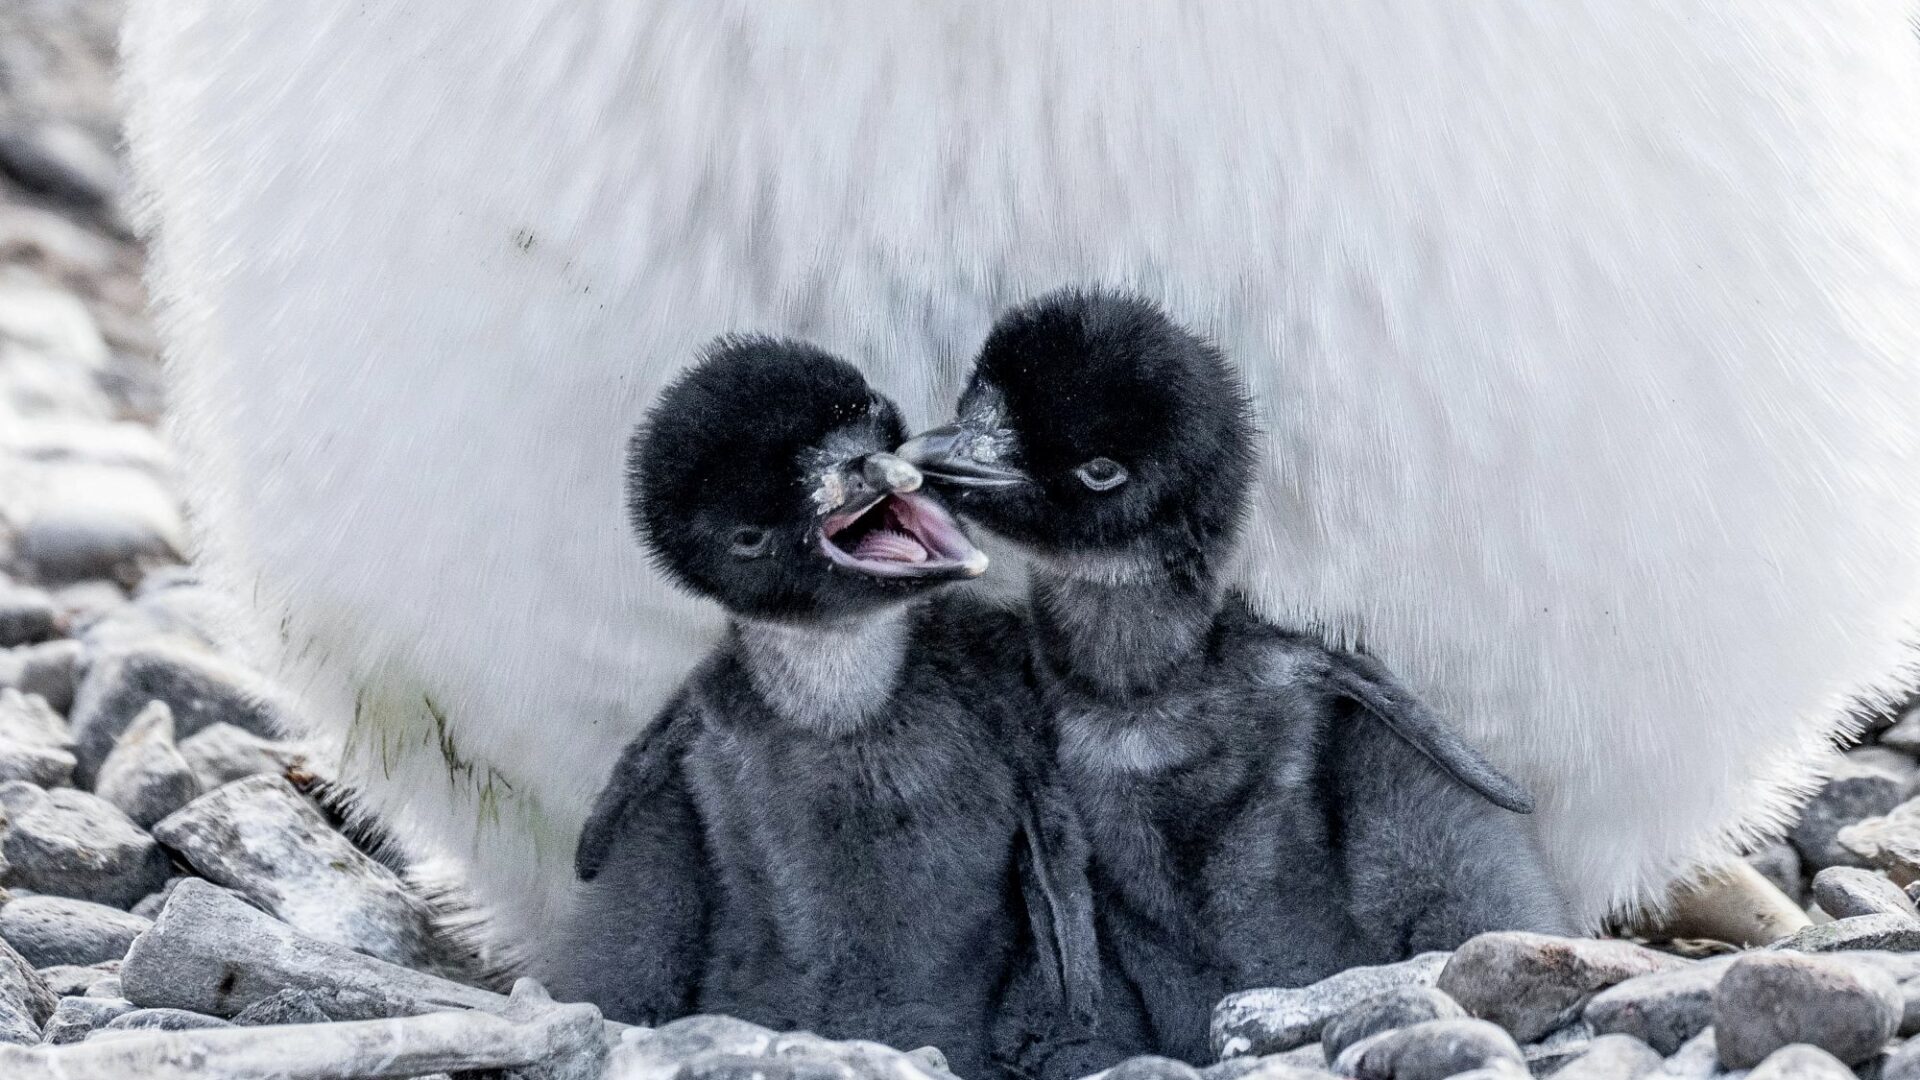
1903	1063
1697	1060
165	1020
1531	984
199	687
1150	1067
72	980
1780	864
1431	1050
75	1018
50	670
1267	1021
82	602
1769	1000
1611	1057
930	1058
661	1051
1273	1067
259	837
1846	891
286	1007
1664	1009
1399	1007
222	753
25	1000
187	616
41	766
27	616
1897	933
1800	1062
50	930
1856	790
145	775
1904	735
27	720
1890	842
99	521
1557	1049
150	904
743	1067
107	987
67	842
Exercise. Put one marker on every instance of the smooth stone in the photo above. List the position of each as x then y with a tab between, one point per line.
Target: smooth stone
75	1018
99	521
1769	1000
1846	891
1403	1006
1611	1057
66	441
108	987
150	905
1697	1060
1904	735
49	670
262	839
184	616
1530	984
1262	1022
1780	864
25	1000
200	688
222	753
57	930
27	616
27	720
1800	1062
1557	1049
1664	1010
52	322
62	162
1856	790
286	1007
165	1020
1903	1063
1430	1050
40	766
662	1051
71	980
1890	842
67	842
1149	1067
1896	933
145	775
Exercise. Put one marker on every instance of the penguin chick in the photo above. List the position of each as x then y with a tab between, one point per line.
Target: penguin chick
839	822
1263	810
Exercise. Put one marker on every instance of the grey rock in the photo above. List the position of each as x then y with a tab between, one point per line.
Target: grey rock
27	616
70	843
1800	1062
1557	1049
185	616
1149	1067
27	720
1697	1060
1903	1063
1904	735
150	904
145	775
62	162
930	1058
1267	1021
165	1020
1769	1000
1898	933
1611	1057
1845	891
41	766
50	670
1856	790
50	930
25	1001
222	753
1432	1050
1663	1010
108	987
1400	1007
1890	842
100	521
200	688
261	838
1531	984
1889	760
743	1067
285	1007
75	1018
661	1052
70	980
1780	864
84	602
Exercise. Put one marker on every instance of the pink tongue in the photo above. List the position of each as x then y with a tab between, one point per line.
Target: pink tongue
884	545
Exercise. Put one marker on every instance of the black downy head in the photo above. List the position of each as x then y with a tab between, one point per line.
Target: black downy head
1095	427
762	480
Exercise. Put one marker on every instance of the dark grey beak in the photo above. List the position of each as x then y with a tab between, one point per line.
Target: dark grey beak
946	456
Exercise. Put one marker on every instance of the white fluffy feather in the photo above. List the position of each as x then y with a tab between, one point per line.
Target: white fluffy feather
1585	332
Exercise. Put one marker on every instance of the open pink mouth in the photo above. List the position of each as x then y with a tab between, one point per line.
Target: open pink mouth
902	535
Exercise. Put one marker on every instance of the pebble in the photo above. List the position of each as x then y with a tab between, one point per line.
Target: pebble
1611	1057
1149	1067
61	162
1397	1008
1267	1021
75	1018
286	1007
99	521
150	904
222	753
1430	1050
27	616
1800	1062
1855	790
25	1000
1904	735
52	323
261	838
57	930
1897	933
145	775
1780	864
49	670
41	766
1902	1064
165	1020
1890	842
68	980
1845	891
34	746
1663	1010
200	688
69	843
1531	984
1769	1000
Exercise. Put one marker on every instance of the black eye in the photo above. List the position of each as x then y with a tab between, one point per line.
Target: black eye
748	542
1102	474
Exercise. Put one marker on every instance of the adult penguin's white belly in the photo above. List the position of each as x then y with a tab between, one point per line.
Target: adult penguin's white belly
1585	334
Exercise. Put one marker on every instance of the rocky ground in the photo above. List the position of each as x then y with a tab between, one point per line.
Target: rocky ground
179	897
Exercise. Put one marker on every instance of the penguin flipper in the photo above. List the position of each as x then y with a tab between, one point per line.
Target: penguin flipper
1368	682
1053	878
647	764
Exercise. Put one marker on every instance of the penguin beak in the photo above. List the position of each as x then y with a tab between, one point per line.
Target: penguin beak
949	456
888	528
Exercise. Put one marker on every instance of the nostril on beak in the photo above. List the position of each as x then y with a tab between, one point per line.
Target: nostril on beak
890	473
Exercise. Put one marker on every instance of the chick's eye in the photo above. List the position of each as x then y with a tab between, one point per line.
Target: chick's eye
1102	474
748	542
